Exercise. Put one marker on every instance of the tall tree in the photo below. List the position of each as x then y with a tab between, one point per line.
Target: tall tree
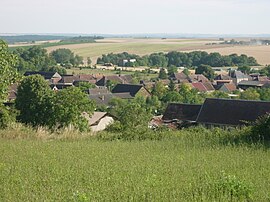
8	73
34	101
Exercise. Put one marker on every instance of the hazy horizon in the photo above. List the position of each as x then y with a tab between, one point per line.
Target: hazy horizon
120	17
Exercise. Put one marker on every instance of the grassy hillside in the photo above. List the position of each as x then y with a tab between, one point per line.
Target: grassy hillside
186	166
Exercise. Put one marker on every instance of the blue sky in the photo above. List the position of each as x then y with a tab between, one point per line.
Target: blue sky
135	16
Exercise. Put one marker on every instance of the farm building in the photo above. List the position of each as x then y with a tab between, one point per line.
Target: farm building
226	112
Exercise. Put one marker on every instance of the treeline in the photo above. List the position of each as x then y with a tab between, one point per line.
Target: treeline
82	39
36	58
179	59
30	38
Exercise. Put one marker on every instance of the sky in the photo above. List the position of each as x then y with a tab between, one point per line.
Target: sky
135	16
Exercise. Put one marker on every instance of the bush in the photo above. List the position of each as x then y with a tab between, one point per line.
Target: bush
5	117
261	128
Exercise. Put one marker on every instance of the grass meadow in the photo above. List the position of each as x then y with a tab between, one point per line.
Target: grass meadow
189	165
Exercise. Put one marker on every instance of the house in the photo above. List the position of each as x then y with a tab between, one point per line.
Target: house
180	77
113	78
250	84
181	112
101	99
133	90
203	87
53	77
226	87
226	112
68	79
198	78
239	76
99	121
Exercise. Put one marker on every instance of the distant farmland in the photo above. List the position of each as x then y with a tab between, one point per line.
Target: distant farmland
136	46
148	46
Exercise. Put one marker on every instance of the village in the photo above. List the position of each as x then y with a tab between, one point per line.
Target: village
229	112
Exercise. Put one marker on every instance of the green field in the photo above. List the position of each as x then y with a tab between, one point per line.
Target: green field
185	166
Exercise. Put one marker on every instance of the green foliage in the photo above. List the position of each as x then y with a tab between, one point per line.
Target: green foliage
162	74
159	90
40	106
8	73
261	128
33	58
195	157
250	94
7	116
186	71
179	59
84	86
34	101
60	70
244	69
68	106
206	70
66	57
189	95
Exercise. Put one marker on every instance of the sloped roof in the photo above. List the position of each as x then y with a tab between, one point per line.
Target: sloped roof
126	78
209	86
102	99
69	79
223	77
104	79
227	87
180	76
231	112
182	112
197	78
199	86
123	95
46	75
96	117
98	91
127	88
251	83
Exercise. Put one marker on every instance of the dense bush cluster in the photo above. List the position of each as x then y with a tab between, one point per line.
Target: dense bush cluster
179	59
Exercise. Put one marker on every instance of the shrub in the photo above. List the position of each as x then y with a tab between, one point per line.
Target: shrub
261	128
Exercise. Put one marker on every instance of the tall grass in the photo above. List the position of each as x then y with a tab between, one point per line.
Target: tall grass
194	164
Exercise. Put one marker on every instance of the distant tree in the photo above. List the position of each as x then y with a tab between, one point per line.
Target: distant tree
206	70
84	86
162	74
189	95
171	86
62	55
60	70
244	69
264	94
89	61
34	101
186	71
171	70
172	96
159	90
250	94
33	59
158	60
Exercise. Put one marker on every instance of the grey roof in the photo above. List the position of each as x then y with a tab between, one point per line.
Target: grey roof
127	88
102	99
182	112
231	112
46	75
251	83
